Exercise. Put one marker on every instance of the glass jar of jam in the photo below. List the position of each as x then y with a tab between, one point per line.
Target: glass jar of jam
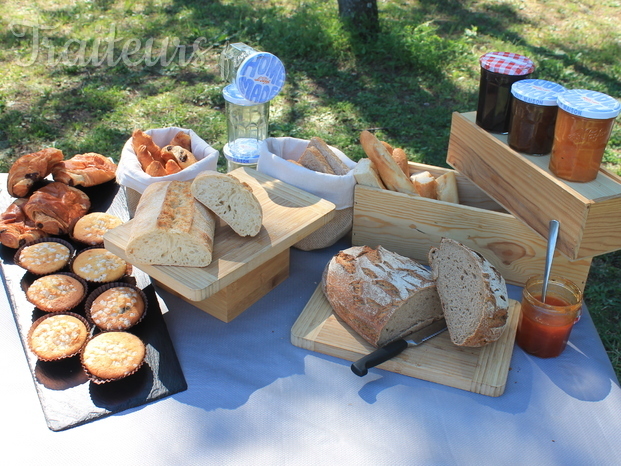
499	70
533	115
583	127
544	328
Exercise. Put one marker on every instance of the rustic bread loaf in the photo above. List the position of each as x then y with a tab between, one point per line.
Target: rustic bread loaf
231	200
171	228
336	164
314	160
381	295
473	294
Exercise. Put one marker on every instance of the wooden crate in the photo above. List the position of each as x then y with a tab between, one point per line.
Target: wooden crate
411	225
589	213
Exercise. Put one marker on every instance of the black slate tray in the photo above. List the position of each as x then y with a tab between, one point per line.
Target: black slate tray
67	397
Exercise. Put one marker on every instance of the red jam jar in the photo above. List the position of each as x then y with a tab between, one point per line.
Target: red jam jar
533	115
583	127
544	328
499	70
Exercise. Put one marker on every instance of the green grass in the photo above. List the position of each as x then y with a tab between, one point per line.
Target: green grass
405	83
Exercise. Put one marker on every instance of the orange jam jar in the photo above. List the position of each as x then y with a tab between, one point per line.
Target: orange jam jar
583	126
544	328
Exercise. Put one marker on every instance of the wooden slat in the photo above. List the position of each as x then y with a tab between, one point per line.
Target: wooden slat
479	370
289	215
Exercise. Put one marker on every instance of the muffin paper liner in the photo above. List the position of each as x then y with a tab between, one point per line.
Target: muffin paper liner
69	274
99	380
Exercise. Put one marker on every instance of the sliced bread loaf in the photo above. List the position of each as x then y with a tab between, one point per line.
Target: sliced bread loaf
381	295
473	294
231	200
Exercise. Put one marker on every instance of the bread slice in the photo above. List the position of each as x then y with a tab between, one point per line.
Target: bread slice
231	200
366	174
391	174
314	160
473	294
336	164
381	295
171	228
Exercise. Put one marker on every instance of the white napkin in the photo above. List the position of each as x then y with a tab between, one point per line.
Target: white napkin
273	156
129	172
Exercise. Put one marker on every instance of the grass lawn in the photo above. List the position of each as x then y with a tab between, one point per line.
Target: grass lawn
81	75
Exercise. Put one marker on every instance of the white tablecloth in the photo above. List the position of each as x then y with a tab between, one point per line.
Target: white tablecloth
254	398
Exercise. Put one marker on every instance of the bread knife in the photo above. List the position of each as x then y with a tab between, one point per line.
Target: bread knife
361	366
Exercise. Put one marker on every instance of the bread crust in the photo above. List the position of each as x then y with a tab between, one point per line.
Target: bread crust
381	295
474	297
425	184
392	176
171	228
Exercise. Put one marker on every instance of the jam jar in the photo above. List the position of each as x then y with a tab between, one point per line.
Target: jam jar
533	116
583	126
499	70
544	327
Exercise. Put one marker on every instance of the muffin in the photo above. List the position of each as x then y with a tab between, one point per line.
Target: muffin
98	265
46	256
91	228
56	292
57	336
112	356
116	307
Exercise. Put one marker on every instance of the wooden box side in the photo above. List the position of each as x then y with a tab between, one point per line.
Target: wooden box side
411	225
527	189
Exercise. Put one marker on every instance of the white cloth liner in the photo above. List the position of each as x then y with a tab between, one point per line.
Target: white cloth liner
130	174
273	161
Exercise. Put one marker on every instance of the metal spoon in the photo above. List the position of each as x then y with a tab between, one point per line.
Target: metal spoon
552	237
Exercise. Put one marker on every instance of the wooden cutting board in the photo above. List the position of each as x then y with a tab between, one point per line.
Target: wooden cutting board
289	215
479	370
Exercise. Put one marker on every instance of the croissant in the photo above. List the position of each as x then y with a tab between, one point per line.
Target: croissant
56	208
140	138
15	228
31	168
86	170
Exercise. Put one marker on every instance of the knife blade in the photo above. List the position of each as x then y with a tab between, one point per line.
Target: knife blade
361	366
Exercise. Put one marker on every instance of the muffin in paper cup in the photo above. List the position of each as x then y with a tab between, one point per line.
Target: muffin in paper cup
97	265
44	256
57	292
57	336
116	306
90	228
111	356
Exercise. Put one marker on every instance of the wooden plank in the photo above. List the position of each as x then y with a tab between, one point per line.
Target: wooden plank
411	225
479	370
525	187
289	215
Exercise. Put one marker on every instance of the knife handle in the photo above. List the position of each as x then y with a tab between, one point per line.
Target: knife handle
361	366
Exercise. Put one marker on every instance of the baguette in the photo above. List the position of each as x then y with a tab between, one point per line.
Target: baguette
231	200
446	187
336	164
366	174
472	292
392	176
425	184
171	228
381	295
402	160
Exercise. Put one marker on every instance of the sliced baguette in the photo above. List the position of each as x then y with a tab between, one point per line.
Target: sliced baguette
231	200
473	294
381	295
392	176
366	174
171	228
425	184
446	187
402	160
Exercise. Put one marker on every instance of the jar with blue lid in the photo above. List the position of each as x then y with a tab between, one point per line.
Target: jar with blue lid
247	126
582	131
533	115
